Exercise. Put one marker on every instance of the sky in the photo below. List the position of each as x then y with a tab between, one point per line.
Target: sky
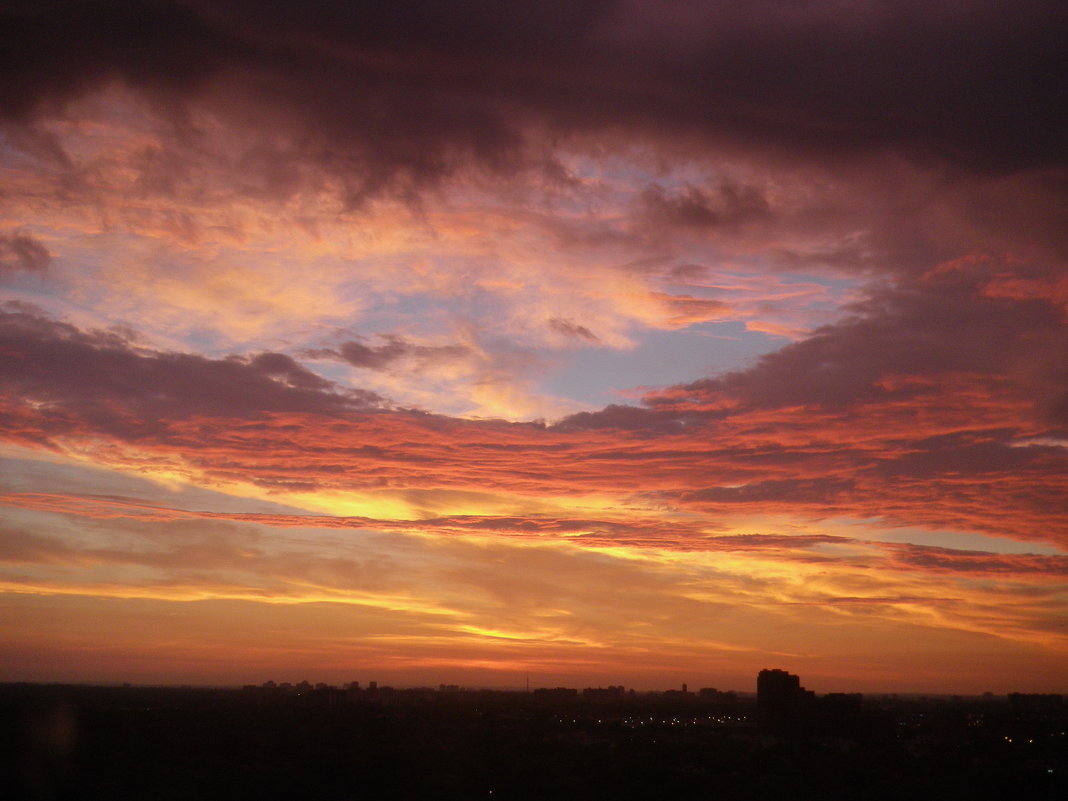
590	341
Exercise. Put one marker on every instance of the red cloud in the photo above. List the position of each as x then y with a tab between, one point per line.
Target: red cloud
828	426
927	558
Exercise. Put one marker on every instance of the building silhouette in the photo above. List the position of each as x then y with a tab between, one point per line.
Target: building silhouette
782	703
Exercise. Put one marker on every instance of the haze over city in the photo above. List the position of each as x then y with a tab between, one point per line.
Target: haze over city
595	342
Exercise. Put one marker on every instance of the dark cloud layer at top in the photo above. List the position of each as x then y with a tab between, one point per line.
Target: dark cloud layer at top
400	94
56	51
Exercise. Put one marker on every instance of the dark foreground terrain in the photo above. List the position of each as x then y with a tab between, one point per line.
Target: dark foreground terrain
67	742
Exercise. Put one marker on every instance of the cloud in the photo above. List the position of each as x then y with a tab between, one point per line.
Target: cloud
395	349
977	563
282	368
827	426
911	409
759	592
22	252
572	329
656	533
104	379
820	490
728	205
398	99
252	185
893	600
686	310
206	556
65	49
903	340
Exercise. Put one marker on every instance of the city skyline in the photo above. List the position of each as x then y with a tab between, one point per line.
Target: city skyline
608	342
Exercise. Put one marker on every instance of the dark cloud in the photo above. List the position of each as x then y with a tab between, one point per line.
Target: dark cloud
820	490
961	454
949	560
105	379
282	368
729	205
849	600
396	96
384	356
757	542
633	418
976	84
569	328
938	402
905	339
964	463
57	51
22	252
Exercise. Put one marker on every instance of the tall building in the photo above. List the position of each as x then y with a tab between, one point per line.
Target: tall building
781	700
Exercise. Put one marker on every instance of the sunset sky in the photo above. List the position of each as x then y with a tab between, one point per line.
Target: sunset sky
602	342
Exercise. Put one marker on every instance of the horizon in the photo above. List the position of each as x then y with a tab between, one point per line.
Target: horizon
446	689
363	684
614	342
